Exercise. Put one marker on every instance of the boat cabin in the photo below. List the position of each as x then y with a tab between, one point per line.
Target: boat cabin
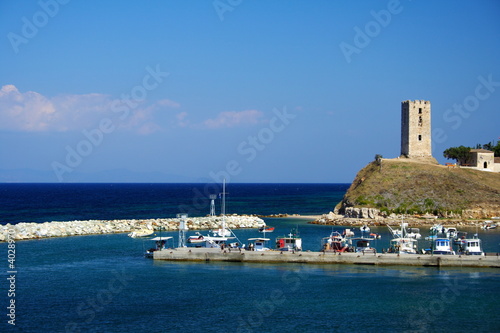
442	246
257	244
363	245
289	243
335	243
471	246
403	245
160	244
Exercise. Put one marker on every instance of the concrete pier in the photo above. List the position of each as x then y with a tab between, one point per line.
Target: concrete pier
235	255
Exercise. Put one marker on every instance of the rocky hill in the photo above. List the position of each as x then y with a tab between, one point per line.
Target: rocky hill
412	187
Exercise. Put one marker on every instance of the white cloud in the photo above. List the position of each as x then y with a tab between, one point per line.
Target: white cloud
168	103
31	111
233	119
181	119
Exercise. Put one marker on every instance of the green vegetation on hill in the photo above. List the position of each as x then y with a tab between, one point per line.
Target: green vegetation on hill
404	186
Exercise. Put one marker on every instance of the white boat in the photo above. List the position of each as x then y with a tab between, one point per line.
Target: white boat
405	239
437	229
221	233
470	246
257	244
487	225
292	242
442	246
348	233
160	244
403	245
196	239
451	232
362	245
141	233
413	233
334	243
364	228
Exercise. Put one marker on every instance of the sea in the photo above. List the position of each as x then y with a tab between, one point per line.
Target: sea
103	283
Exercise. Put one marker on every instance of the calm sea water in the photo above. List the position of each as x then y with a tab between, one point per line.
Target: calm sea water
104	284
67	202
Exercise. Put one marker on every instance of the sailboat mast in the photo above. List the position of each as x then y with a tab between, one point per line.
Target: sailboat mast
224	208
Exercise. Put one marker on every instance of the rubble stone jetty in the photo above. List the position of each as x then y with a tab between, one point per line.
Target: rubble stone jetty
22	231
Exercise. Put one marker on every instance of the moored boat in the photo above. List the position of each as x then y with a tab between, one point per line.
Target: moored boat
291	242
451	232
364	228
257	244
487	225
196	239
405	245
266	229
141	233
362	245
160	244
442	246
334	243
470	246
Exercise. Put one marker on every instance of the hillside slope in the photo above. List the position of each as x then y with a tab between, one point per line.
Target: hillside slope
399	186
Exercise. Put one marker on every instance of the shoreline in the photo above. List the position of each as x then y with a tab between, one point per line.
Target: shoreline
414	222
340	220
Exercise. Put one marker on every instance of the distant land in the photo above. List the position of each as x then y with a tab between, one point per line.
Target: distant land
412	187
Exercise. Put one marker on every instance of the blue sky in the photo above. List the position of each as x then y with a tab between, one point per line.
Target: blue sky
254	91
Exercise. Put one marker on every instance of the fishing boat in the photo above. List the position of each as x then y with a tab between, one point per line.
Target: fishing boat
404	245
364	228
257	244
196	239
437	229
348	233
141	233
460	236
470	246
451	232
334	243
487	225
266	229
404	240
291	242
221	232
413	233
362	245
160	244
442	246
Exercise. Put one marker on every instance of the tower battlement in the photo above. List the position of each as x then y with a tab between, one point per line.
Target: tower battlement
416	129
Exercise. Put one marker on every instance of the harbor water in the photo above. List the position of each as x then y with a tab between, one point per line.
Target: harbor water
103	283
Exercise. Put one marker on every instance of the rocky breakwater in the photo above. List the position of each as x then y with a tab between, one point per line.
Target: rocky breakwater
22	231
362	216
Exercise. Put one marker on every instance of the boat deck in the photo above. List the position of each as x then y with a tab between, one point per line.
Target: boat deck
307	257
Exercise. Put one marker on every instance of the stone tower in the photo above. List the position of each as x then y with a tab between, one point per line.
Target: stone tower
416	130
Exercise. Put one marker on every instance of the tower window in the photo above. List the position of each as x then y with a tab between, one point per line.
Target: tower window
420	121
420	138
419	110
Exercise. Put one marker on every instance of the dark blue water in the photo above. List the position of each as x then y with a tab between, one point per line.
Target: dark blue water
104	284
67	202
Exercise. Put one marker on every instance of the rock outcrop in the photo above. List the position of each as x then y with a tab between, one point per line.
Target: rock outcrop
404	186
